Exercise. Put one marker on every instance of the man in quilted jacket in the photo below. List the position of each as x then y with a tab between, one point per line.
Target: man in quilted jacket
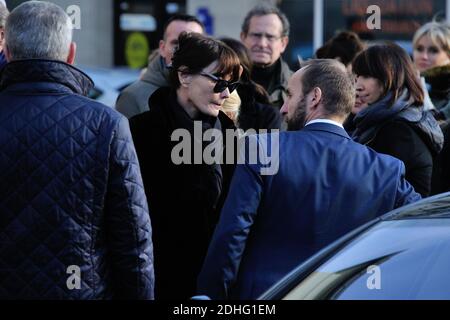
74	220
3	15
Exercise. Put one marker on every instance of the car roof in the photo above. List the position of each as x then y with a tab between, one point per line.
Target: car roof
433	207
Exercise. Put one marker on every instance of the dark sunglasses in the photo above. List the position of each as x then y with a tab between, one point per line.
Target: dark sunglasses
221	84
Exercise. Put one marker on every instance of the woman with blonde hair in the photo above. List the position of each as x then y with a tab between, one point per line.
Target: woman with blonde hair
431	55
431	44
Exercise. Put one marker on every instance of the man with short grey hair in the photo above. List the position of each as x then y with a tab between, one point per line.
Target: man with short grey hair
3	15
74	216
265	32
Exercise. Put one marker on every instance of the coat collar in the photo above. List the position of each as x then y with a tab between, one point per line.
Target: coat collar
327	127
164	101
157	72
62	76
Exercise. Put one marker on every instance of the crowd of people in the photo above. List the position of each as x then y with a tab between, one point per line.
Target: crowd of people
358	130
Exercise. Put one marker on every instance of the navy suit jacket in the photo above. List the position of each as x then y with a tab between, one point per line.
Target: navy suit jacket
326	186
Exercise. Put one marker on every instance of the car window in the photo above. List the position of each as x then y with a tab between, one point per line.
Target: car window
404	259
121	88
95	93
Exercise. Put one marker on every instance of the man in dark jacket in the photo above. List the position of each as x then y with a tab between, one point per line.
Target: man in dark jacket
265	32
74	221
3	15
134	99
326	186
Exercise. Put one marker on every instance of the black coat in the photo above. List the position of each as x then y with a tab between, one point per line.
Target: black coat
444	157
256	115
182	198
275	80
401	140
441	165
71	192
439	80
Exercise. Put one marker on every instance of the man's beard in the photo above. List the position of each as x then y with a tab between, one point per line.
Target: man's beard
297	122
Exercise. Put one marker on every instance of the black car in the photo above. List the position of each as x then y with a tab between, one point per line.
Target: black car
403	255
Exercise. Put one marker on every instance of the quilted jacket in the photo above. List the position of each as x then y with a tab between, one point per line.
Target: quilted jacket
74	220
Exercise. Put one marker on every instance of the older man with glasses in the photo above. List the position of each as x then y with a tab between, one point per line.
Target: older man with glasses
265	32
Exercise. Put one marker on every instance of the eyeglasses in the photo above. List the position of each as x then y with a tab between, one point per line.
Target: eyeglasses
221	84
256	36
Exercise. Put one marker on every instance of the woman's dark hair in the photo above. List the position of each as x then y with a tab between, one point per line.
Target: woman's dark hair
244	57
195	52
392	66
345	46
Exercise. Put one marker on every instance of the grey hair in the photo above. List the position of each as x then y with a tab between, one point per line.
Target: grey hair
263	10
38	30
3	14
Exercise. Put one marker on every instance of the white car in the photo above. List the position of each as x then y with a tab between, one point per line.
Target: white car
109	82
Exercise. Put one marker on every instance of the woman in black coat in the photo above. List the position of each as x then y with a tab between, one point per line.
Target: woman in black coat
390	116
183	188
438	78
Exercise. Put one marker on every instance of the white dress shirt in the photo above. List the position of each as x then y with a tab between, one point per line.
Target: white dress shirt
325	121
